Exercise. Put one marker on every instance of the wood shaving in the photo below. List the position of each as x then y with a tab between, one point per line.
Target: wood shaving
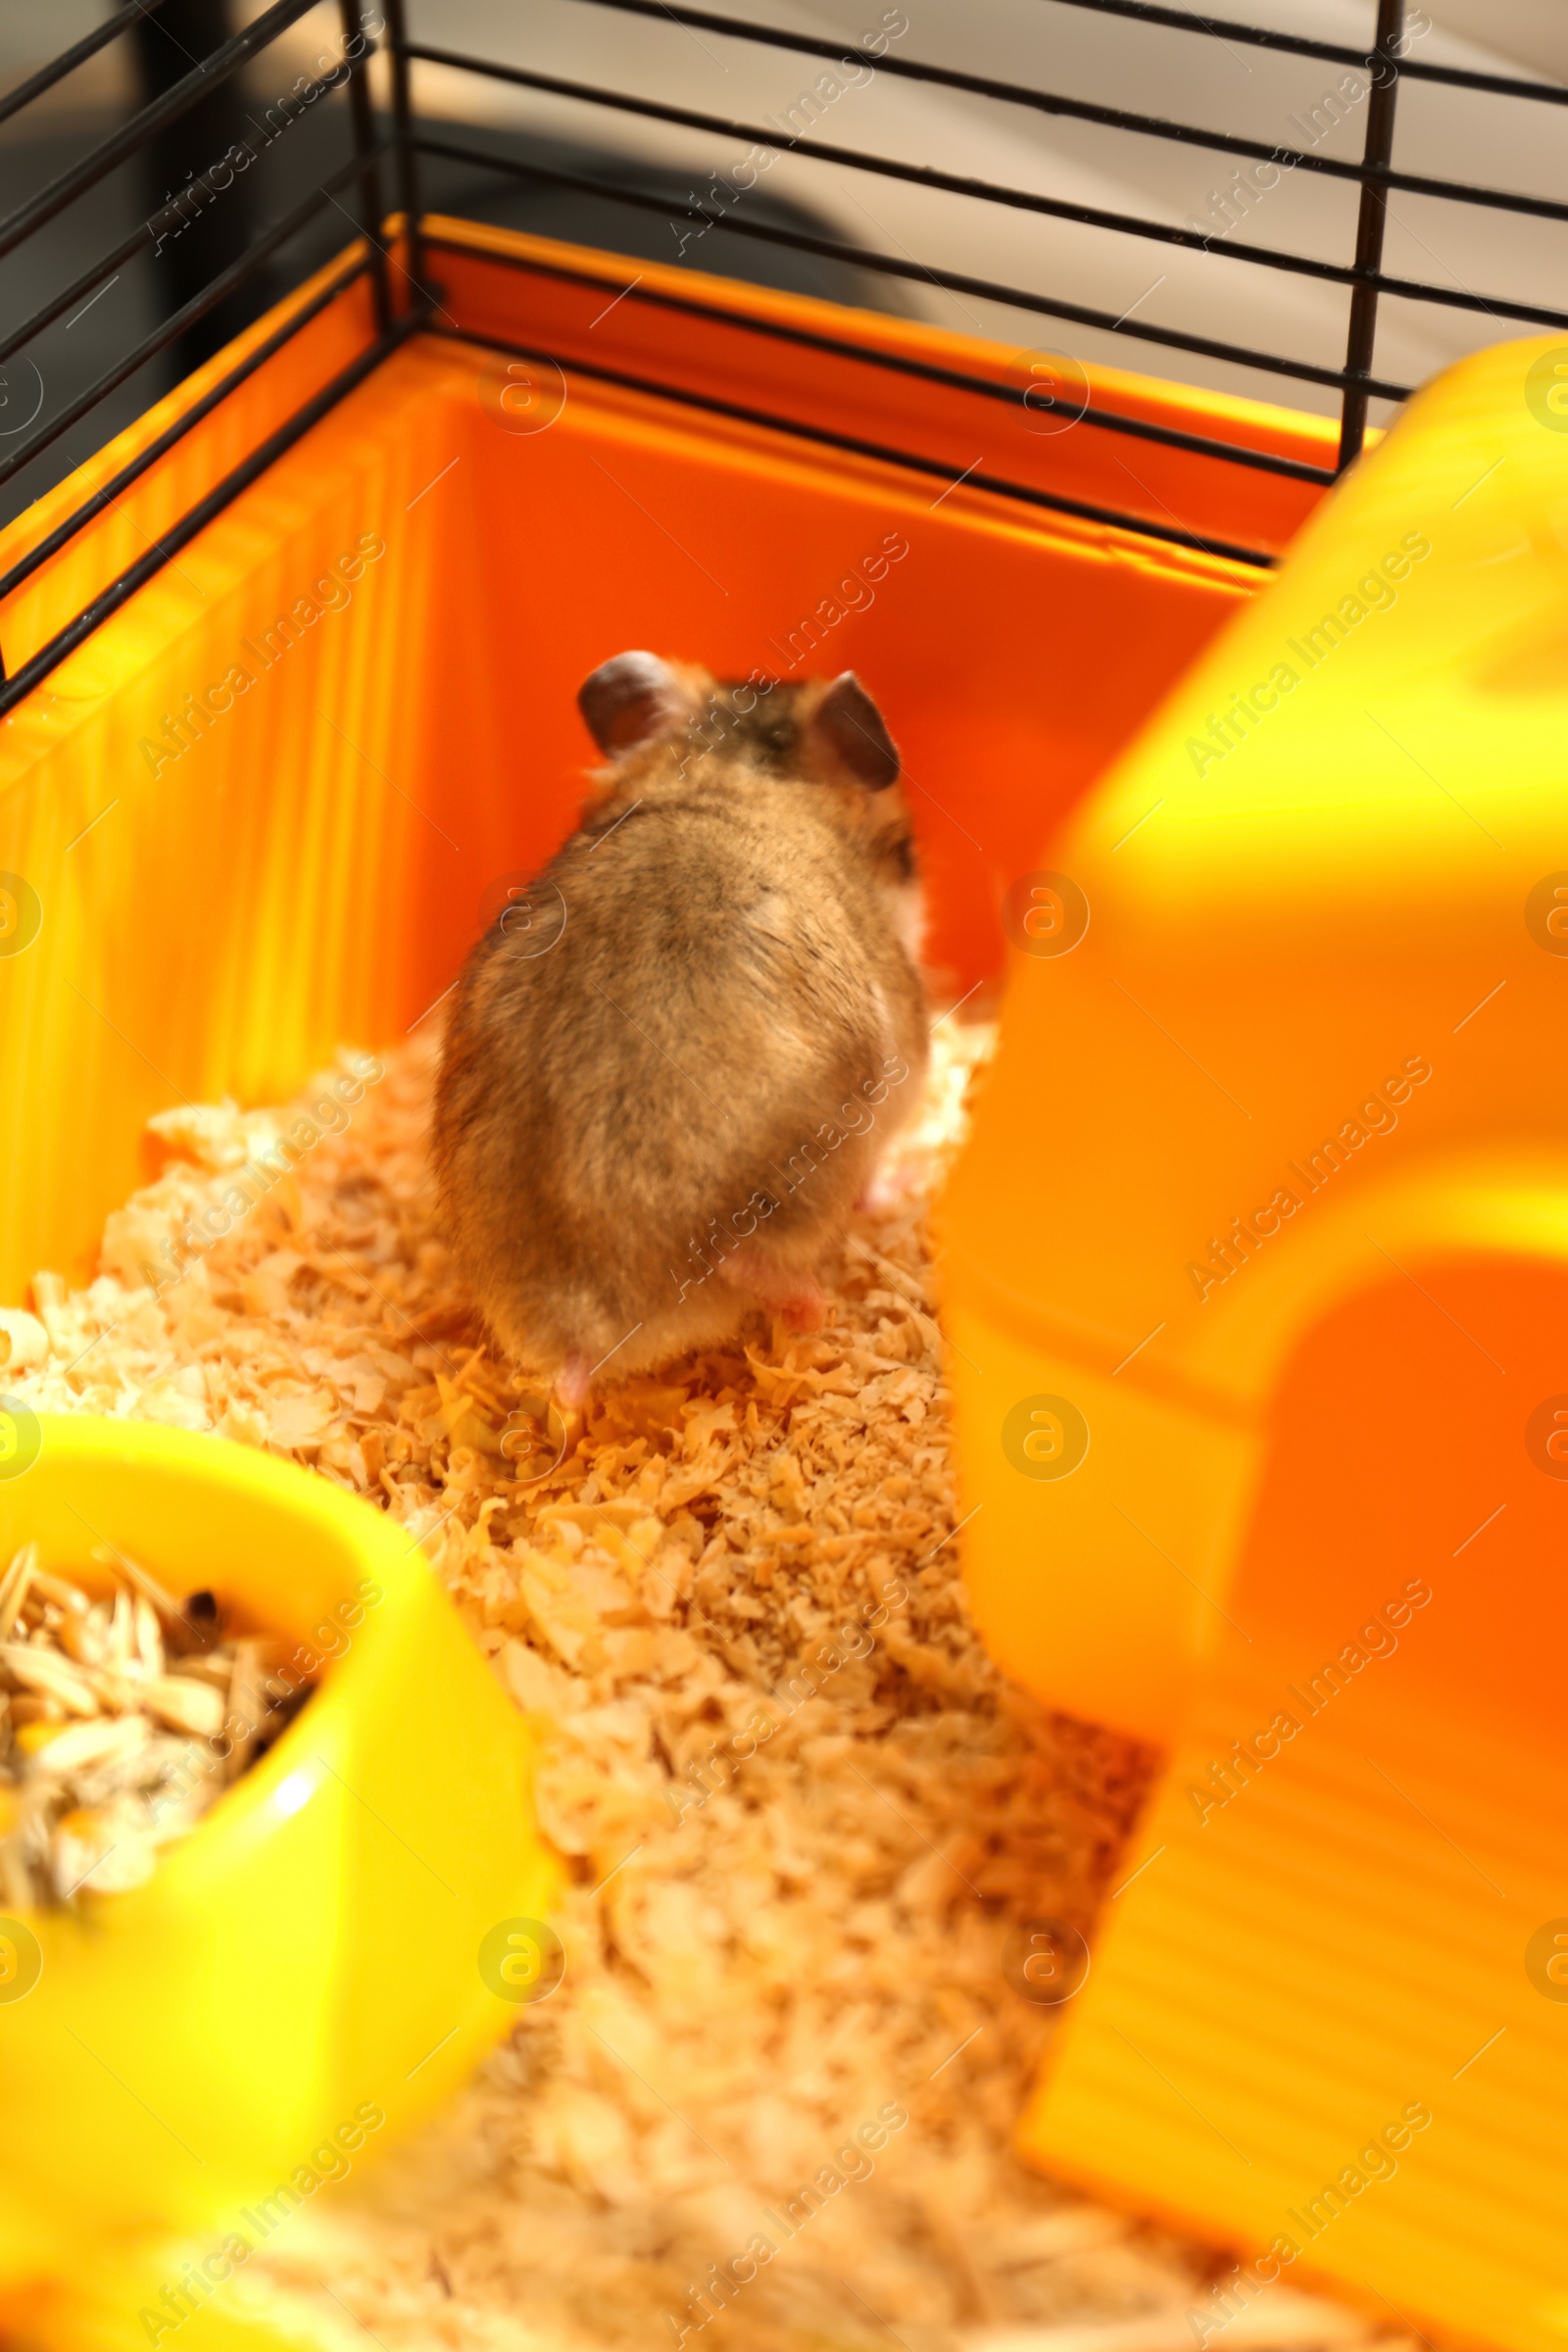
802	1813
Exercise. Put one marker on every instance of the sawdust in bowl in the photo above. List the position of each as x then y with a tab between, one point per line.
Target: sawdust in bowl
804	1819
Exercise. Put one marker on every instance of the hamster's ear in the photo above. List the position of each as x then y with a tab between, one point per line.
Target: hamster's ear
851	727
630	700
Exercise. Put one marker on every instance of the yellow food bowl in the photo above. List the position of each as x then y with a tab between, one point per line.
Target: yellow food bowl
302	1977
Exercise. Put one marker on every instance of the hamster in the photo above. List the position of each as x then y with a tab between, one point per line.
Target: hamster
670	1072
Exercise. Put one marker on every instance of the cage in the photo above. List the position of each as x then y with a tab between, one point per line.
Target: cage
288	664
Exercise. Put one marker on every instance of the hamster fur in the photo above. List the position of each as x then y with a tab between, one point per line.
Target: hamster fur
670	1072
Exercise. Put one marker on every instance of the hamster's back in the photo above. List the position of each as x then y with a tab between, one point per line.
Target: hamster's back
710	975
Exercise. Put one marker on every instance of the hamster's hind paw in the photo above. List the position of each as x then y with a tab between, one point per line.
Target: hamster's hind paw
572	1381
790	1291
805	1309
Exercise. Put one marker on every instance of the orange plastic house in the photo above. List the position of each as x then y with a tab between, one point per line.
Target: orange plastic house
1260	1300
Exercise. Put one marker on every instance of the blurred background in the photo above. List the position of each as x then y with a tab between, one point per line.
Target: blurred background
1043	45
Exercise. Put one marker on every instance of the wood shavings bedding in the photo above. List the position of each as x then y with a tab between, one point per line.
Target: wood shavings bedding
803	1814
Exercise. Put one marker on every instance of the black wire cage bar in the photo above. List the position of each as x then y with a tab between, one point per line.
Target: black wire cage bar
381	178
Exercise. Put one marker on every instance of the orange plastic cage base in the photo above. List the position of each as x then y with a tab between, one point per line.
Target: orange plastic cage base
250	844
